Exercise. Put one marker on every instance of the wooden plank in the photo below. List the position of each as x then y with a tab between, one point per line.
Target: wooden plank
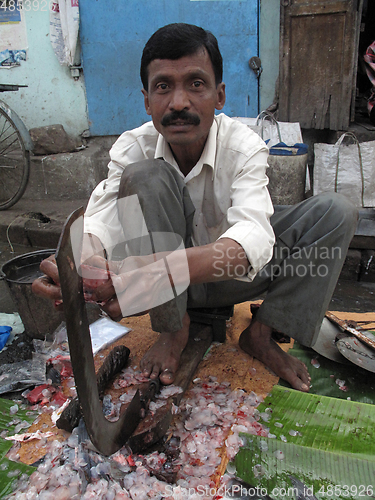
155	425
319	8
317	52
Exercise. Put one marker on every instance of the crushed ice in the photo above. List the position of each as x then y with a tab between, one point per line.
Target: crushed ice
210	416
279	454
315	363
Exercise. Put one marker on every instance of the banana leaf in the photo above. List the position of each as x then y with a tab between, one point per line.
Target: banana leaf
323	442
11	471
277	468
326	375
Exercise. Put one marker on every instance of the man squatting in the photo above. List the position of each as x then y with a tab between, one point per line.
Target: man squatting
206	219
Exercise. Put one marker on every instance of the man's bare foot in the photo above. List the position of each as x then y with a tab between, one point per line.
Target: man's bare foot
163	358
256	340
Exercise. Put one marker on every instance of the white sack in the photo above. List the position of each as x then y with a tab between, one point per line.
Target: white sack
346	160
290	133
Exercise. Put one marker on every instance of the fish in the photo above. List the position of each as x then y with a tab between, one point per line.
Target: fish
29	436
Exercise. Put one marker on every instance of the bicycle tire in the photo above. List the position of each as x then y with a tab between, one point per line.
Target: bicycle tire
14	163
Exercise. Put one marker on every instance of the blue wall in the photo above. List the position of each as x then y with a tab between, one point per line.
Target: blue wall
113	35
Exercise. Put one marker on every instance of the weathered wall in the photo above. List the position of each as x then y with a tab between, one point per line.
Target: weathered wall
269	40
52	96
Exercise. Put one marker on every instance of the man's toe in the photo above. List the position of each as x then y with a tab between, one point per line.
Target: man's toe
167	377
299	384
304	387
155	371
146	368
304	374
150	368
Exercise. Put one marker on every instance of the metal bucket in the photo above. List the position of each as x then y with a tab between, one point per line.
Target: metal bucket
38	314
287	173
287	179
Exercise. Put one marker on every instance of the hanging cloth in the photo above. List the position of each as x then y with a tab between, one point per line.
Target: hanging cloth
369	58
64	26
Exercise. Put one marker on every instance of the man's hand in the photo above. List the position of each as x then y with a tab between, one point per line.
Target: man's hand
106	283
133	286
48	285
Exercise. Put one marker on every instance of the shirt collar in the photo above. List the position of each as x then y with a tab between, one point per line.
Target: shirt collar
208	156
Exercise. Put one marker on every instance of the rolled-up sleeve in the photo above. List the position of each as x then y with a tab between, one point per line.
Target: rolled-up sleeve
250	212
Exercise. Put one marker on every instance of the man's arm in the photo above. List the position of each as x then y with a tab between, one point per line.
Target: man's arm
140	281
219	261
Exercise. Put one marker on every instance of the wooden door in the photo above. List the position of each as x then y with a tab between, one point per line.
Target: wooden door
318	54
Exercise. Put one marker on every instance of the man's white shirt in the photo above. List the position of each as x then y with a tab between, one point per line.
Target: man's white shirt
228	187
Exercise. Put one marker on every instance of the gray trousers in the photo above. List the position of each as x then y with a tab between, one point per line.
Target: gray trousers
312	239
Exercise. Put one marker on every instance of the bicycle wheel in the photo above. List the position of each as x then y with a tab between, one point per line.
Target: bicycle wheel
14	163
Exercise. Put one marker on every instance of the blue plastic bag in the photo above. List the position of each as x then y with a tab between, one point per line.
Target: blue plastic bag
4	335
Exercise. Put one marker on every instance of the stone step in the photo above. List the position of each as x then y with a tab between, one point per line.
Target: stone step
68	176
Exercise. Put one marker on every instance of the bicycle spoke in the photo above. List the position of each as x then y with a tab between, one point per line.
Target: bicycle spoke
10	129
6	149
14	163
3	129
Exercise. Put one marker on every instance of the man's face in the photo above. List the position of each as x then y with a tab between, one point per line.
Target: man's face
182	97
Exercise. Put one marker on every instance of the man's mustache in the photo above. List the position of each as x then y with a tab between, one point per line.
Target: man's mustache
180	116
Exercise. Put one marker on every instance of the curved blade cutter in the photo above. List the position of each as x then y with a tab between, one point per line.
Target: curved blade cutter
107	437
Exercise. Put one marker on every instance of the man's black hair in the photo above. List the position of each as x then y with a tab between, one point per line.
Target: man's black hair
178	40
